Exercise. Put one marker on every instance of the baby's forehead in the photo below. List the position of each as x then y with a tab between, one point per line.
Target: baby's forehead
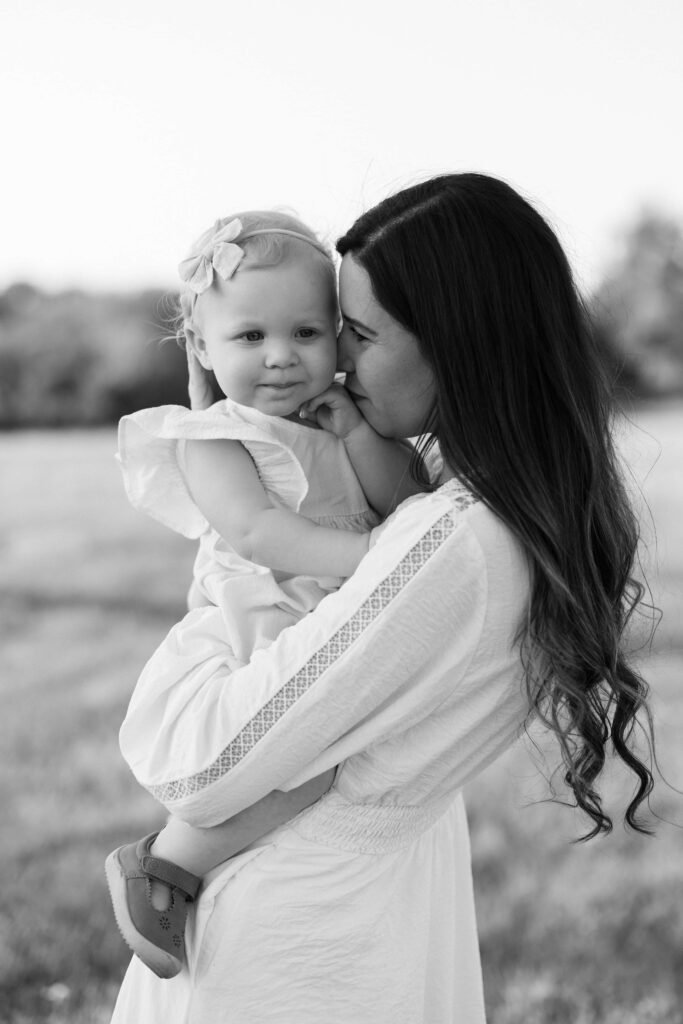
296	277
305	262
289	289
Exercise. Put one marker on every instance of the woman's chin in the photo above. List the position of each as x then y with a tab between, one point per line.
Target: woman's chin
376	420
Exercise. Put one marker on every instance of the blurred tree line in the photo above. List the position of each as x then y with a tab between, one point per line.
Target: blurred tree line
638	308
83	358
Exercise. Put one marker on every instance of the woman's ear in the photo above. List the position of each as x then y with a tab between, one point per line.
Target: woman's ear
197	346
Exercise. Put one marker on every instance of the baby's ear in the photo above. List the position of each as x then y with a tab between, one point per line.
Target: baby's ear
197	346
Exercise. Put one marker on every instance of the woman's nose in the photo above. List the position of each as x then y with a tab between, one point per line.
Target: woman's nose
345	363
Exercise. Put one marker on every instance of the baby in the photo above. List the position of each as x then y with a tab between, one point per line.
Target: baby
283	509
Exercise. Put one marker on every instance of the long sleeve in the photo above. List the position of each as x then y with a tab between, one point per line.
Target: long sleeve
372	661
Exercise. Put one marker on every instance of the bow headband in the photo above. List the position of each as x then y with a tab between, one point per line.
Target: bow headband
216	251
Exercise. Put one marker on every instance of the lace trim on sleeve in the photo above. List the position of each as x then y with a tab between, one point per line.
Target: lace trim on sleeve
298	684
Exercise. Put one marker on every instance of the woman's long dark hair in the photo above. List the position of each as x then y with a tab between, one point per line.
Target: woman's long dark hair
523	415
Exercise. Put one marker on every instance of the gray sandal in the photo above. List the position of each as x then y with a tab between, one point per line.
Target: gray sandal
157	937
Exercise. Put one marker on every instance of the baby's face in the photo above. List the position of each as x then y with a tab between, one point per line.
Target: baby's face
269	334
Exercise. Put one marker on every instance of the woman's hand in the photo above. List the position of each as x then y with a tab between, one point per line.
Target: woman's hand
334	411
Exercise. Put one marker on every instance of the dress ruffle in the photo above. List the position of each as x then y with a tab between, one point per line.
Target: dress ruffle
150	453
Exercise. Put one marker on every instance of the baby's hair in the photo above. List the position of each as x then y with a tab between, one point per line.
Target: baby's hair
266	243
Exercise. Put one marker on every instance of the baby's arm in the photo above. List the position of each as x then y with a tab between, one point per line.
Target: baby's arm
224	483
382	465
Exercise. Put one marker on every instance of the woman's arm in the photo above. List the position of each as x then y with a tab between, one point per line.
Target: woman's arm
381	465
373	659
225	485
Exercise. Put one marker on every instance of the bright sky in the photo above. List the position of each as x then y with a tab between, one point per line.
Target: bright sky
130	126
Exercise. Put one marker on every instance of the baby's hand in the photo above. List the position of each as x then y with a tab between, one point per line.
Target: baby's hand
333	410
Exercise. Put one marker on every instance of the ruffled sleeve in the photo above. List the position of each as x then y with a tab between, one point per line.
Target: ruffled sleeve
150	452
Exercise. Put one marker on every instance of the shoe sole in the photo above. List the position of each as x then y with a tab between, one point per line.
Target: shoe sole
164	965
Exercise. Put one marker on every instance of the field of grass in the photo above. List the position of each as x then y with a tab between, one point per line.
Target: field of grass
570	934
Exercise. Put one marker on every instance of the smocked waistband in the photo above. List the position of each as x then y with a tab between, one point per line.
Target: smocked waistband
368	828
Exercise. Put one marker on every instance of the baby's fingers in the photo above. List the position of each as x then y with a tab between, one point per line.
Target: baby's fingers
335	395
306	414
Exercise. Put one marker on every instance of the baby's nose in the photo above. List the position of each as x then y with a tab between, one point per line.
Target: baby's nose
281	352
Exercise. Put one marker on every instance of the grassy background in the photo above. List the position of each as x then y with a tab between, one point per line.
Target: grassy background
570	934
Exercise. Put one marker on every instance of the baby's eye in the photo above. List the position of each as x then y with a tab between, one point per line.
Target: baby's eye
307	333
252	336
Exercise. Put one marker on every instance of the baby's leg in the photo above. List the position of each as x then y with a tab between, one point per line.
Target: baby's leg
151	913
198	850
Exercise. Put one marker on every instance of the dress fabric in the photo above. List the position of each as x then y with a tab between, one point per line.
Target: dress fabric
301	469
360	910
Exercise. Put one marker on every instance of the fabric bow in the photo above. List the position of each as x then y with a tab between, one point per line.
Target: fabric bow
218	253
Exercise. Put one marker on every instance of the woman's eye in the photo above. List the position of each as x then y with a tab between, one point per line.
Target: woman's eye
356	333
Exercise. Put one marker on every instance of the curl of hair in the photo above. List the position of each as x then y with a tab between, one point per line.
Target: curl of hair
523	414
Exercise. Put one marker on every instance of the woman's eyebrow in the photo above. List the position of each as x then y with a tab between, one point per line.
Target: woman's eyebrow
359	323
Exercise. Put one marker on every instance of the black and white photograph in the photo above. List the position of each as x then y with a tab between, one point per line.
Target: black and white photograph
341	448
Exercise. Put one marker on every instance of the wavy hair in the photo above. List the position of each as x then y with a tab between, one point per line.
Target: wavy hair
523	414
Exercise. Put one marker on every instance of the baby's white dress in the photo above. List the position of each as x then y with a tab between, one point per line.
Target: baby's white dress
360	910
301	468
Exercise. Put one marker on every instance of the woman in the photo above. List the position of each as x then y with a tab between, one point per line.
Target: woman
503	593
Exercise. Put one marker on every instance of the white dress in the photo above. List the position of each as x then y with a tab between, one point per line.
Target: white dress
360	910
303	469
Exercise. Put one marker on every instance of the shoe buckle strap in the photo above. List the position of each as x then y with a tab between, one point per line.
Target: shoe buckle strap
171	874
